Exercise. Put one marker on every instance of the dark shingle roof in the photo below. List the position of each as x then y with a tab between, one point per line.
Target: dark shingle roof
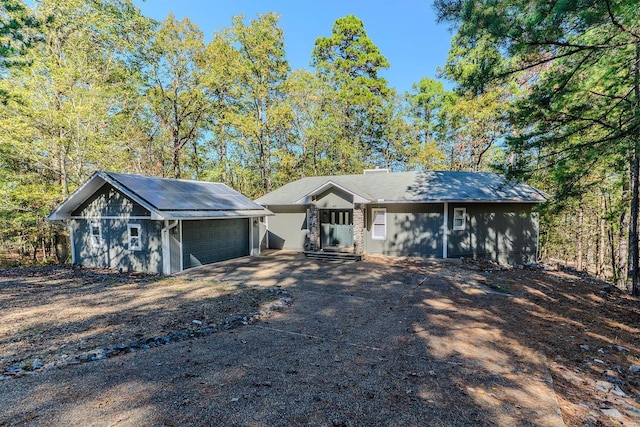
411	187
168	198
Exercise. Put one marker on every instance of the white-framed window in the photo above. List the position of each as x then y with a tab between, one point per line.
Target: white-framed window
378	224
459	218
135	237
96	234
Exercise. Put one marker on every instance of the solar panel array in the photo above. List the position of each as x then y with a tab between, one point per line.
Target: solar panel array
166	194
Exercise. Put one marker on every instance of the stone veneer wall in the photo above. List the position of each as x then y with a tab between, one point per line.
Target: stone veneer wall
358	229
314	228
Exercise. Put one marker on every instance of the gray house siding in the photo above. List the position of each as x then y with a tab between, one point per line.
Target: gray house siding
334	198
109	202
114	212
413	229
504	232
113	250
288	228
208	241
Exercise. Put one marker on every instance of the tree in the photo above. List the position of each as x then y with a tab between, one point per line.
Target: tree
470	126
176	91
349	61
313	104
262	73
583	106
63	117
17	33
425	102
224	93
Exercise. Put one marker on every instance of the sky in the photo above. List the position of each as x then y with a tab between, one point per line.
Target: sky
405	31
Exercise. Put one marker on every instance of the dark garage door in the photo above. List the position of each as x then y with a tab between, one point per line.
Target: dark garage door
207	241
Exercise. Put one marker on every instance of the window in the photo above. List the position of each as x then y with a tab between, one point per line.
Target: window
135	243
379	224
96	234
459	218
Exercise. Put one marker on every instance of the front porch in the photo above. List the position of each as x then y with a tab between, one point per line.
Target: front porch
336	233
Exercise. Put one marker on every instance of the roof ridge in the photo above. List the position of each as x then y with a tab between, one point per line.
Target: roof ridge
196	181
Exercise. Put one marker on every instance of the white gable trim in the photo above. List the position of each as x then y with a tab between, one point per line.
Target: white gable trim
154	212
305	200
87	189
63	211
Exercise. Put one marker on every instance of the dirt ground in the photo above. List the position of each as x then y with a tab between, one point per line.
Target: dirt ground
380	342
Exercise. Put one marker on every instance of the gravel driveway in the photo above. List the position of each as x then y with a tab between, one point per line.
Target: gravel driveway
378	342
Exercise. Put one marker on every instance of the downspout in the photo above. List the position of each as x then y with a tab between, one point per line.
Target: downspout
166	246
73	245
251	248
537	238
445	231
266	230
258	248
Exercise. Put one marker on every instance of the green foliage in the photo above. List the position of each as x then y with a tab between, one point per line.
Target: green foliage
576	124
265	116
63	117
311	149
176	94
17	25
424	103
349	62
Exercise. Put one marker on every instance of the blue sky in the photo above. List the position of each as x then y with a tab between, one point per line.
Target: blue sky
405	30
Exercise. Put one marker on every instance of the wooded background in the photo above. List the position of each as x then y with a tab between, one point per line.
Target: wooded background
543	91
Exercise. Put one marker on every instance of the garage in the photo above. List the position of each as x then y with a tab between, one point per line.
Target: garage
158	225
207	241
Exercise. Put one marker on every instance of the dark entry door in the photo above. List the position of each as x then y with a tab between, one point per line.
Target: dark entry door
336	228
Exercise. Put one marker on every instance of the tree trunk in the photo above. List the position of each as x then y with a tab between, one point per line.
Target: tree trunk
612	244
44	249
600	269
223	157
622	257
176	156
633	225
579	239
635	200
61	246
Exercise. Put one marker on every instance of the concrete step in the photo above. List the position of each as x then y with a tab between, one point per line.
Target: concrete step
346	256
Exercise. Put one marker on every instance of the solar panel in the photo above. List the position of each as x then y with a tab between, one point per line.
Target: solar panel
172	194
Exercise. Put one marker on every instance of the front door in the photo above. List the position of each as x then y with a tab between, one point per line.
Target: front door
336	228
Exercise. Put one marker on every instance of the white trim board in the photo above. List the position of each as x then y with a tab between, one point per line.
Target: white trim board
98	218
306	199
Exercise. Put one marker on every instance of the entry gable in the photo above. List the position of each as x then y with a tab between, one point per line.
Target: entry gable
324	190
334	198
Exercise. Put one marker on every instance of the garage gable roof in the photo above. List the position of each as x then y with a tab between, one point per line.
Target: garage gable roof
410	187
167	198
